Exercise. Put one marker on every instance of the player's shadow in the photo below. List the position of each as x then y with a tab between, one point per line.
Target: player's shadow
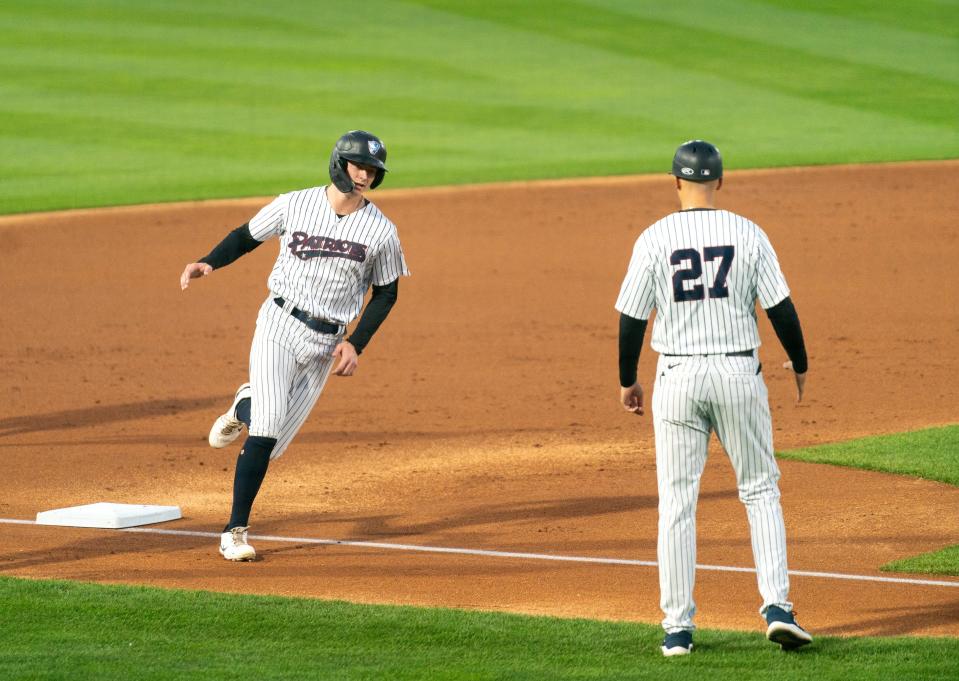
101	414
898	621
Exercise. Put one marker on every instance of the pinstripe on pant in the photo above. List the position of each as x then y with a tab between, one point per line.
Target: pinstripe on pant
289	365
692	397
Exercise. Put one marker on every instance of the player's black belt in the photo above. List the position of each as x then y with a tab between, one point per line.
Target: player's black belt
311	322
739	353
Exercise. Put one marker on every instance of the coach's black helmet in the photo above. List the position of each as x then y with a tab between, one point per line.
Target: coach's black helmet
362	148
697	161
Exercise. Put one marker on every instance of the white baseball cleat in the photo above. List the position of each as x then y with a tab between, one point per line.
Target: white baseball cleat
234	546
227	426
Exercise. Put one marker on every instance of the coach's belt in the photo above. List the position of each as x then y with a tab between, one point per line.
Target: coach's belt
311	322
740	353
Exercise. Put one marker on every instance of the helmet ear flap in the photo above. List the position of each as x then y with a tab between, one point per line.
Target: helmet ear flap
380	172
339	176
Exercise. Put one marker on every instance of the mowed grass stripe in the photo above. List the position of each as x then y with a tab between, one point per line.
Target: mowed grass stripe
143	100
122	632
935	17
921	49
766	64
215	20
67	87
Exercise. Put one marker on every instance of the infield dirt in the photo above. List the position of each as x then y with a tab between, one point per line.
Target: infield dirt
484	414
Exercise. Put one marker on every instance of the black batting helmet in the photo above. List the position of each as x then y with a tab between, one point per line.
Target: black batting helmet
697	161
362	148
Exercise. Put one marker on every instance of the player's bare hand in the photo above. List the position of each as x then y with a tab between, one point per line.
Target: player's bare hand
348	360
800	381
194	270
632	399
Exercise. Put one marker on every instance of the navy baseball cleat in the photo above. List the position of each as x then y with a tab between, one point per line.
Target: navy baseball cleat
678	643
782	629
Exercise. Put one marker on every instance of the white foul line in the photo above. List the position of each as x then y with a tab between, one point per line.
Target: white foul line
507	554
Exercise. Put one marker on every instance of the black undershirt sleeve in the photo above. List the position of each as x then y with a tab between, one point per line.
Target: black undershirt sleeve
785	323
381	302
236	243
631	334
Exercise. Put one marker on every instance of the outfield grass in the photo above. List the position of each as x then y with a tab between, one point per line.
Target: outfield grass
118	632
120	101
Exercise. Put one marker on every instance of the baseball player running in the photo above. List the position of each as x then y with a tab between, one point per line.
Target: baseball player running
334	244
703	270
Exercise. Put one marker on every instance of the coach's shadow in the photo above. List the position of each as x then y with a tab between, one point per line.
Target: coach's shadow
377	527
899	621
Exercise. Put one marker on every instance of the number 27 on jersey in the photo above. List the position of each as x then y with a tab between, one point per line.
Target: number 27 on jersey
692	270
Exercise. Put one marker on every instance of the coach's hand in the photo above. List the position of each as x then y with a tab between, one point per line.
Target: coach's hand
800	381
348	359
193	271
632	398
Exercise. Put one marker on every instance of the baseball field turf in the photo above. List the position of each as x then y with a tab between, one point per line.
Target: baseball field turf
111	102
126	633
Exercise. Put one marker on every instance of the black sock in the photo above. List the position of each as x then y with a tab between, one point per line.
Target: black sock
242	410
251	467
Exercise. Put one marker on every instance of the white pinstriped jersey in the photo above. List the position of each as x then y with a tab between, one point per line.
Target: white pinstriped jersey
327	263
703	271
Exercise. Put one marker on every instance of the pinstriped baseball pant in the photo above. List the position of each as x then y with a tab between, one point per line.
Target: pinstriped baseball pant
693	396
289	365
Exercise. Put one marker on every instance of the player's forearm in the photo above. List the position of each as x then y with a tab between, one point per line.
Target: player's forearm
785	323
381	302
237	243
631	334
